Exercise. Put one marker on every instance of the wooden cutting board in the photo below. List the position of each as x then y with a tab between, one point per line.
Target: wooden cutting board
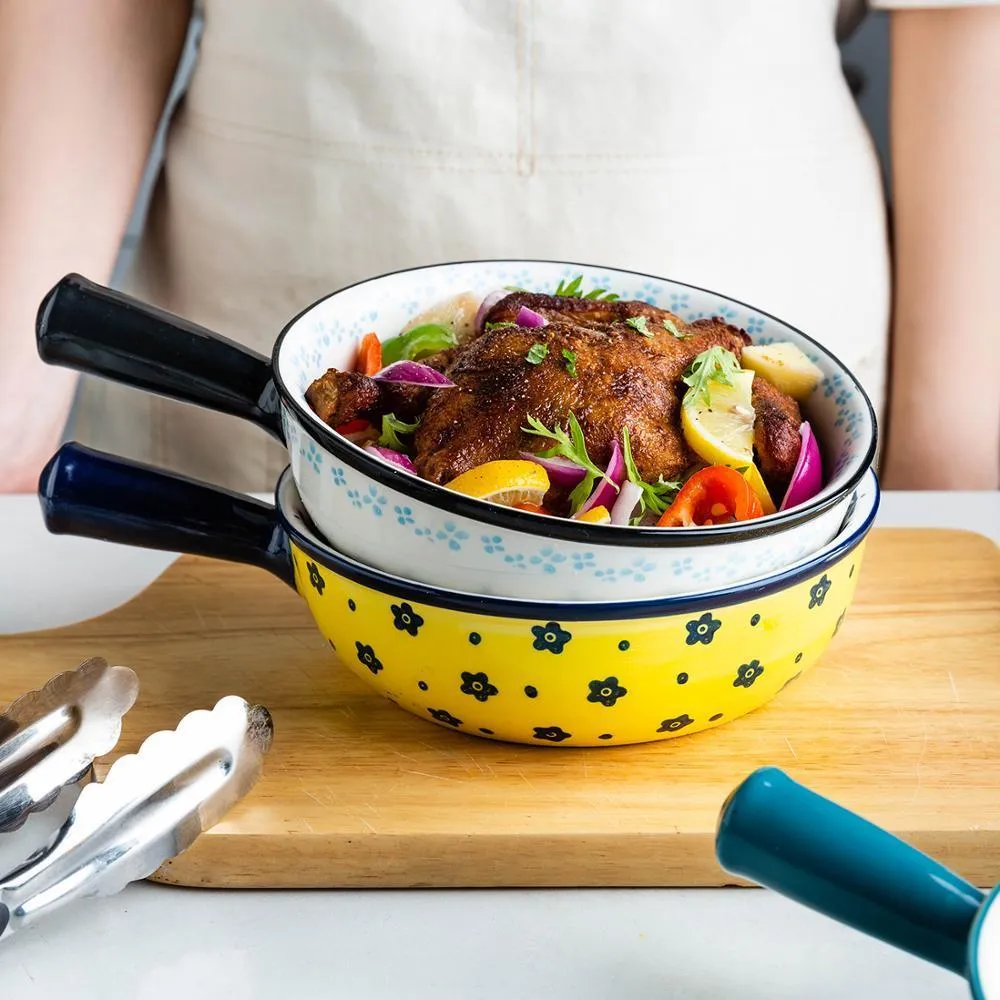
900	721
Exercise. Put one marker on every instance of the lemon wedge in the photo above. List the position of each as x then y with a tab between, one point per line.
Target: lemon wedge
596	515
720	432
785	367
505	482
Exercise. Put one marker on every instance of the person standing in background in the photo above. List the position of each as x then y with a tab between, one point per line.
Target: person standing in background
323	141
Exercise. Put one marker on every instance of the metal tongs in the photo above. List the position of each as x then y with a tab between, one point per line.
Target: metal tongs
151	806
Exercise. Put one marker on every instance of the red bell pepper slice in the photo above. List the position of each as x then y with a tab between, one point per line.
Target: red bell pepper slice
716	495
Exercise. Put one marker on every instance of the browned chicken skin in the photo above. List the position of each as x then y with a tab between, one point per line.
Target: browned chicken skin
623	379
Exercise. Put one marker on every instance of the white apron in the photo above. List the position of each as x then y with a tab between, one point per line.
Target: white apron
323	141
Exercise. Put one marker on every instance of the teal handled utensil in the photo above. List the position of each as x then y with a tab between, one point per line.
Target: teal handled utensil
777	833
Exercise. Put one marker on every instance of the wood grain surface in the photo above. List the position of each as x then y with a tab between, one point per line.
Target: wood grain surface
900	721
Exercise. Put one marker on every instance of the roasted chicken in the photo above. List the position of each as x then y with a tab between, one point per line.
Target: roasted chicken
628	361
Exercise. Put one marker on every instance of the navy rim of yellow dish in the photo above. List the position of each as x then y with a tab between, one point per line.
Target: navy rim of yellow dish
554	527
506	607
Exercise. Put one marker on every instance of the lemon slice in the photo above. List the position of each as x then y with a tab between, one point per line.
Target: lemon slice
504	482
720	432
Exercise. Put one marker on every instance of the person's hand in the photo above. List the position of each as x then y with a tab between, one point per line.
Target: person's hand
944	417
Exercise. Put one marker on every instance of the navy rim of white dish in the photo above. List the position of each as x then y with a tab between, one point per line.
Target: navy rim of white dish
286	493
556	527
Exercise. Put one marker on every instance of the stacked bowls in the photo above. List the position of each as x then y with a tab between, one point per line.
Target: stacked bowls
474	616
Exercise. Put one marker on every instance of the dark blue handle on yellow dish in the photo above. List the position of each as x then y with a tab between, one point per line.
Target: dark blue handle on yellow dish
93	329
86	492
779	834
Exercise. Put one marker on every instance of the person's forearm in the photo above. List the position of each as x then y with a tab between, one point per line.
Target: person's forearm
82	86
944	418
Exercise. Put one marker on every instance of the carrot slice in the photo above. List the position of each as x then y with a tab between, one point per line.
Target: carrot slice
369	355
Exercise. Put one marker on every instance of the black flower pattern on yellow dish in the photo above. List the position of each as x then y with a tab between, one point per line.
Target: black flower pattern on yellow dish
702	629
818	592
367	656
747	673
478	685
554	734
405	618
441	715
316	578
550	636
606	692
672	725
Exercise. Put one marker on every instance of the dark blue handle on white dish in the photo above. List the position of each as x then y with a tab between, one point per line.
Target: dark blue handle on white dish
779	834
86	492
93	329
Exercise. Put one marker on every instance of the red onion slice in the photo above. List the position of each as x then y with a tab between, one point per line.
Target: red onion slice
562	472
487	304
528	317
393	457
628	497
807	479
606	493
413	373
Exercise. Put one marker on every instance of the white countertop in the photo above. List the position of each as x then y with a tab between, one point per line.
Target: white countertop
153	942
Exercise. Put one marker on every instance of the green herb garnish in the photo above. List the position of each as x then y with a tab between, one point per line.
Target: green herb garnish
640	324
574	290
570	358
536	354
516	288
572	446
503	325
671	327
714	365
392	427
420	342
655	497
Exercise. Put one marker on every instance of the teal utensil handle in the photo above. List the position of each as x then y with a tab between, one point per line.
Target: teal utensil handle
781	835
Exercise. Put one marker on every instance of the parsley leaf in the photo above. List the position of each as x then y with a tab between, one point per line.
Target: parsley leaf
714	365
503	325
572	446
536	354
640	324
671	327
574	290
392	427
655	497
570	358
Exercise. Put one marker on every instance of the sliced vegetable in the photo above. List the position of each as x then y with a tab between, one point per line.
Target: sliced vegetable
507	482
353	426
807	479
392	427
369	354
654	497
487	304
596	515
420	342
528	317
716	495
570	445
393	457
785	367
606	491
413	373
628	496
561	471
